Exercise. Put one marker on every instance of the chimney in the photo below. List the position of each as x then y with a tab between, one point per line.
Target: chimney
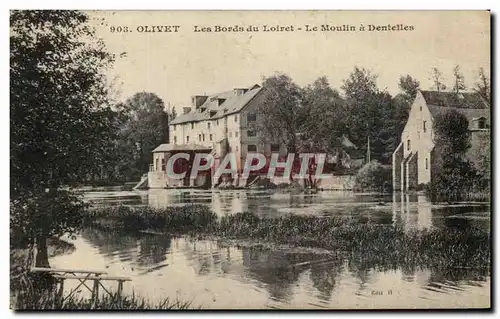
198	100
186	110
240	91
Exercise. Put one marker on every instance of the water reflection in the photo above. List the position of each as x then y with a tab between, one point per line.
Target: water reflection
409	211
214	274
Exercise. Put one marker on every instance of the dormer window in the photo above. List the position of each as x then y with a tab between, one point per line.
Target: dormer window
425	126
408	145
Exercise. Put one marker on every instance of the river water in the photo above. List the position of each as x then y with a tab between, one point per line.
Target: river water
215	274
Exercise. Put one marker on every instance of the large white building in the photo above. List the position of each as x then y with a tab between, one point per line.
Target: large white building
414	160
212	124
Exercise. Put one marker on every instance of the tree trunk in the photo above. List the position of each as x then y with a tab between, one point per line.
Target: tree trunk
42	256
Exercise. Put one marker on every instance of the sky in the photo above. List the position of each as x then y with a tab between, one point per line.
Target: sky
177	65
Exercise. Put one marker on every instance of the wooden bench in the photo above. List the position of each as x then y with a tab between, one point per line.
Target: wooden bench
97	276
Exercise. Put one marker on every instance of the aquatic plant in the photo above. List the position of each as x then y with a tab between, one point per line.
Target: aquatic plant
47	300
380	244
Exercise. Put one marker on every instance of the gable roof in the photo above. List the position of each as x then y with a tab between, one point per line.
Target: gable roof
470	104
466	100
233	104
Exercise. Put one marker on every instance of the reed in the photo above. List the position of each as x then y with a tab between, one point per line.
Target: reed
384	244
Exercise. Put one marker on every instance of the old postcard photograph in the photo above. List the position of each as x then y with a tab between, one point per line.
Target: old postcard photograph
328	160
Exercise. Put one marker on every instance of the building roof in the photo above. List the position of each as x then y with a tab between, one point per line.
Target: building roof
470	104
465	100
180	147
233	104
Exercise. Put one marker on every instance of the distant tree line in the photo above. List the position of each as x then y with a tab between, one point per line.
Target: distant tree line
321	115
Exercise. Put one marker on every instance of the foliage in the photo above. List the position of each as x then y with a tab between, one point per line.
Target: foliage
59	113
323	127
483	86
373	176
145	127
47	300
483	164
455	173
172	219
59	109
386	245
451	133
459	80
370	113
437	79
409	86
281	112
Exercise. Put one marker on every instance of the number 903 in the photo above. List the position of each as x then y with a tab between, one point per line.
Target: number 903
118	29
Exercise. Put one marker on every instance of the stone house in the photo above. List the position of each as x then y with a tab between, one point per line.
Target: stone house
413	161
222	122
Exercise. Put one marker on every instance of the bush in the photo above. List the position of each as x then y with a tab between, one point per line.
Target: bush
373	176
173	219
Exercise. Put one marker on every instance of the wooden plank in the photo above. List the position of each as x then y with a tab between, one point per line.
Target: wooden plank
40	269
93	277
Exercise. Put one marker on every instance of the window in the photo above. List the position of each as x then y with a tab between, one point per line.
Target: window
203	137
235	118
175	126
408	145
425	126
251	117
426	163
275	148
250	133
199	137
175	139
187	139
217	122
208	125
192	125
420	107
163	164
236	134
481	123
156	167
210	137
252	148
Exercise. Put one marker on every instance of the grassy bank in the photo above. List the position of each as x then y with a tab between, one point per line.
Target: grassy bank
377	244
46	300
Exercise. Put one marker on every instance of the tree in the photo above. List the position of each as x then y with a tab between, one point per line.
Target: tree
372	176
409	86
145	127
281	113
324	123
483	164
452	139
437	78
370	114
173	114
403	101
483	86
459	80
59	118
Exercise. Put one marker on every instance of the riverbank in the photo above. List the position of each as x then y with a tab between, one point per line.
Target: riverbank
377	244
24	296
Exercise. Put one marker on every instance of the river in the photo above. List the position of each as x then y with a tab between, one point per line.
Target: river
214	274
